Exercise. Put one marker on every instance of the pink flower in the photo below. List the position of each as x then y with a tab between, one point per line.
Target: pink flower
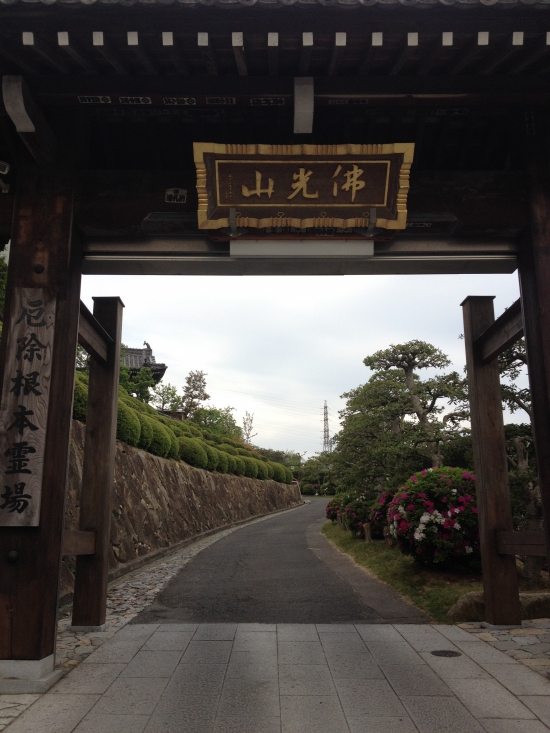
449	481
414	479
421	496
404	495
444	499
403	526
410	508
381	501
423	473
474	510
465	474
473	477
442	476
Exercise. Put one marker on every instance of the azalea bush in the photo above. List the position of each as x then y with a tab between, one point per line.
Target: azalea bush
356	514
433	517
378	515
333	508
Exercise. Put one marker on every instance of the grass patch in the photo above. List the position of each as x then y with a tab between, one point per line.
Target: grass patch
432	591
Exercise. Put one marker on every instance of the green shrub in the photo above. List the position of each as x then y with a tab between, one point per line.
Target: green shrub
229	449
128	427
270	471
174	451
239	466
140	406
222	466
194	430
231	463
192	452
289	475
80	399
250	467
278	472
212	455
161	443
146	434
262	469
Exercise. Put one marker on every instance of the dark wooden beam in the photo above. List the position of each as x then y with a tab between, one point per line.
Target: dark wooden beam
534	276
140	53
76	543
338	51
501	334
376	41
46	53
92	336
28	119
405	54
207	53
473	53
500	582
305	54
108	52
178	62
237	43
273	53
71	49
508	49
98	470
43	255
17	58
530	542
541	50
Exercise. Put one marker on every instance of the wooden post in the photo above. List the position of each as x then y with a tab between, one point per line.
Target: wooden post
90	592
534	278
500	582
43	258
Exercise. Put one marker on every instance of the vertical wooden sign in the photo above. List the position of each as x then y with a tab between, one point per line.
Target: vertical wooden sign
24	406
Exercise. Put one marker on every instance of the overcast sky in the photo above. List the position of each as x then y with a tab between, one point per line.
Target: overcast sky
279	347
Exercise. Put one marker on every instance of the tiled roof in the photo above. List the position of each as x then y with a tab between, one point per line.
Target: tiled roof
350	4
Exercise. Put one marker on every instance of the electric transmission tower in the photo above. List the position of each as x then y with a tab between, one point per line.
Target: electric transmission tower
327	444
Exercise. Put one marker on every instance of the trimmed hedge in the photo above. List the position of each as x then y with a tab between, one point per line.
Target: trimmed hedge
192	452
231	463
212	456
161	443
146	434
223	464
262	469
289	475
278	472
80	399
250	467
128	427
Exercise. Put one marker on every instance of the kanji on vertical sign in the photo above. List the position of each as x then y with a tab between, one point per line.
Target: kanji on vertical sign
24	406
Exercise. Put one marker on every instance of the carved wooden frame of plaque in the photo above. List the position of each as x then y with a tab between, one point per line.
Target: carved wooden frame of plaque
406	150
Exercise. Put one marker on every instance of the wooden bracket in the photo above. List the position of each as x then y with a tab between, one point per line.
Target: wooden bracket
76	542
505	331
530	542
92	336
28	119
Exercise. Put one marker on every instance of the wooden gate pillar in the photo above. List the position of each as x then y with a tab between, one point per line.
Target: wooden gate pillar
534	278
90	592
500	582
37	362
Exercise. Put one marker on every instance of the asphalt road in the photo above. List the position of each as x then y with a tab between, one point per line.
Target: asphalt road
281	570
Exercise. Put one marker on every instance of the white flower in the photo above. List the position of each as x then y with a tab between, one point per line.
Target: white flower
469	550
418	533
425	518
453	491
457	525
401	510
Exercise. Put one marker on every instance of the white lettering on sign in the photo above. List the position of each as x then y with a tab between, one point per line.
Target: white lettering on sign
221	100
179	101
356	101
94	99
175	196
134	100
24	406
267	101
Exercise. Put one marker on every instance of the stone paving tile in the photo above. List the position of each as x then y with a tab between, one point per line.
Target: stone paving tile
54	714
489	699
89	679
499	725
538	705
483	654
250	666
368	697
415	680
112	724
305	679
242	628
207	652
370	724
455	633
180	628
378	632
312	714
296	632
168	641
250	724
152	664
454	667
196	680
215	632
258	698
335	628
249	641
395	653
133	696
301	652
518	679
424	638
364	669
437	714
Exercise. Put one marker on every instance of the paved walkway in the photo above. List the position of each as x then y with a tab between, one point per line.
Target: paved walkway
363	675
293	678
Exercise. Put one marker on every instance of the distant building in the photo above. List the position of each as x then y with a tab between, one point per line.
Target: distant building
135	359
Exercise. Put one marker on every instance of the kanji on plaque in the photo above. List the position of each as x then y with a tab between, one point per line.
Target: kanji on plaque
24	406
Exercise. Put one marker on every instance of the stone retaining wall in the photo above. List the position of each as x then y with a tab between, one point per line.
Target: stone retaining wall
158	502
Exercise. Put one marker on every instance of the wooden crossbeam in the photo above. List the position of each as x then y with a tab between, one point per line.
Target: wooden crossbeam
92	336
14	56
338	50
273	53
76	542
178	62
508	49
305	54
28	119
140	53
529	542
108	53
237	42
404	54
472	54
69	47
207	53
501	334
376	41
42	49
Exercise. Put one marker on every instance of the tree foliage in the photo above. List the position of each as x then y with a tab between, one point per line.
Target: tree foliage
219	421
165	397
194	393
138	385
